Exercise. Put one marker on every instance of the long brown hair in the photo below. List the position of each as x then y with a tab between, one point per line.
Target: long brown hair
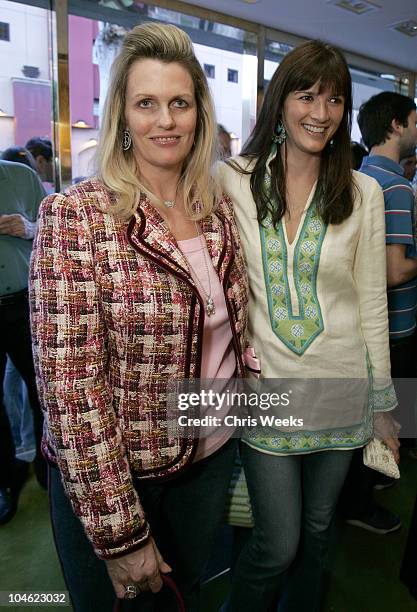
310	63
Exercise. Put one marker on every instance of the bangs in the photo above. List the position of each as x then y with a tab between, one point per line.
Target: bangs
325	69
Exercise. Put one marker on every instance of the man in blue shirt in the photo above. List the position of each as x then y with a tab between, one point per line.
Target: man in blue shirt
388	125
389	130
21	194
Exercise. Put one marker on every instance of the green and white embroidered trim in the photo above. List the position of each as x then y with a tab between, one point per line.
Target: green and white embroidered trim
305	442
271	440
297	332
384	399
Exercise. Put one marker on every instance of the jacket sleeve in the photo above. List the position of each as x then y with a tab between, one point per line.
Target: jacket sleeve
69	342
370	274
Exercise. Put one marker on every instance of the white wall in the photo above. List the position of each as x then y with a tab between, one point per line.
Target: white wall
28	46
227	96
6	132
82	153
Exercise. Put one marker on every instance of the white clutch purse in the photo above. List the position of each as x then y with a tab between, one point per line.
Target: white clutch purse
377	456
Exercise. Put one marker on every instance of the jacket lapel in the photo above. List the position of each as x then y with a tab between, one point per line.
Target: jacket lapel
219	241
148	234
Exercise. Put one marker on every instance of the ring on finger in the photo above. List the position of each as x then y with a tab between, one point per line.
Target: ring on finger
131	591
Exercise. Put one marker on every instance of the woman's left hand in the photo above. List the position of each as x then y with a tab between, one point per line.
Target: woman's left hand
394	445
141	568
387	429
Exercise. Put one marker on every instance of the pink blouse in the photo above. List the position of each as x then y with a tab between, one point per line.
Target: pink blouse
218	357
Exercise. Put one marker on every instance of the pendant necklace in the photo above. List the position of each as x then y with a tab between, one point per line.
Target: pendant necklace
210	305
171	203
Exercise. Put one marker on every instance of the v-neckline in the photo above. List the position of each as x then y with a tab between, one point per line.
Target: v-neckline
290	245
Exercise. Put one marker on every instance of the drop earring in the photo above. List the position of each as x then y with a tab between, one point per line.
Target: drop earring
126	140
280	133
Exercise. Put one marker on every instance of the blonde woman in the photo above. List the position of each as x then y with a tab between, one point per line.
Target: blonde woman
137	280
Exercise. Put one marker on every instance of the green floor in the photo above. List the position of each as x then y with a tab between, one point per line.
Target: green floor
363	567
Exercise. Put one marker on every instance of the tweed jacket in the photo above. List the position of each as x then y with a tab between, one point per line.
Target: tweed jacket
115	316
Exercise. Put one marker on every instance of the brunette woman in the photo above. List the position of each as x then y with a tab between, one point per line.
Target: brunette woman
314	238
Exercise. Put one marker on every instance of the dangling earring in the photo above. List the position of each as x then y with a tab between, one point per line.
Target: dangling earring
280	133
126	140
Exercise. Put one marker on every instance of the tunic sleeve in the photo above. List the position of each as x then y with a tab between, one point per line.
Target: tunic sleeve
371	281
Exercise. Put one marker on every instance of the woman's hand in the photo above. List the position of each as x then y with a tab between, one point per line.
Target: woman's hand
394	445
142	568
387	429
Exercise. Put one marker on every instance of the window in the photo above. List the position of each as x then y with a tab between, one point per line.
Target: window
4	31
32	72
95	37
232	75
210	71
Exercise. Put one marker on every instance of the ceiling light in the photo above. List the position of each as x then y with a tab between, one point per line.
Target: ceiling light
359	7
81	124
409	28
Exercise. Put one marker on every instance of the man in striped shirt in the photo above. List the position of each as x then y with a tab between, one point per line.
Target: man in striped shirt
388	125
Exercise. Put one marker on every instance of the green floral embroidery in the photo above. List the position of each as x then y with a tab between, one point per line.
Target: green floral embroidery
296	331
384	399
307	442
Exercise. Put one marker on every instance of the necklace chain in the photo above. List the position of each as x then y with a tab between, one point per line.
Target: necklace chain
210	305
171	203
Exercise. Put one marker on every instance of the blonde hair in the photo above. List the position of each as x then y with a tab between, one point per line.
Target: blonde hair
118	168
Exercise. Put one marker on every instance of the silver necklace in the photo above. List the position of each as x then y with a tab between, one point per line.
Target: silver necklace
171	203
210	305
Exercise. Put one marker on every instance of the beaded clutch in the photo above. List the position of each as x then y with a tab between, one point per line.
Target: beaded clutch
377	456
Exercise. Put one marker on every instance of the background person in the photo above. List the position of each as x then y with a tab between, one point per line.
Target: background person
358	152
225	142
20	155
41	149
137	281
313	236
409	166
388	123
22	193
15	395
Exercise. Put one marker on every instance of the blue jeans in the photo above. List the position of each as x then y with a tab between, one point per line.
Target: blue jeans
294	499
184	514
15	342
16	401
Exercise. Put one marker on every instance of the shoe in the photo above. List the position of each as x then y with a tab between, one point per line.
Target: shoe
8	506
379	520
383	482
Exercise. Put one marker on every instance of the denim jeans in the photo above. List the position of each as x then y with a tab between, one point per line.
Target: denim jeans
16	343
293	499
18	409
184	514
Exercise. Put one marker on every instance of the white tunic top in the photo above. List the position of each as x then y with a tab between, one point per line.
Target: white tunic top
318	310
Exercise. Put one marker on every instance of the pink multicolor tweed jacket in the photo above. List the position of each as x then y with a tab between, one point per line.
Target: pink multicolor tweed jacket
115	317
